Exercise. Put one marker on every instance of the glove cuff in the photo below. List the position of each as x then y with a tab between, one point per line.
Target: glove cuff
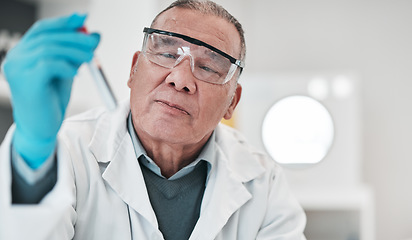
34	151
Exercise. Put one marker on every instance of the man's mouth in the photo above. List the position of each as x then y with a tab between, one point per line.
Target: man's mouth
175	106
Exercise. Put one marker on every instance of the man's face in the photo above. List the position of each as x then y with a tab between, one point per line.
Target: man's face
171	105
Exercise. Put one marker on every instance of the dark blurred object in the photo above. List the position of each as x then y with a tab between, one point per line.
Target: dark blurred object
2	54
6	119
15	18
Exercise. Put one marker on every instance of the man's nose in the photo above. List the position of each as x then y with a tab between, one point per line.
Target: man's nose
181	76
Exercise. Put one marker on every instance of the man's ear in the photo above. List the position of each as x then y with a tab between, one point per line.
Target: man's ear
133	68
235	101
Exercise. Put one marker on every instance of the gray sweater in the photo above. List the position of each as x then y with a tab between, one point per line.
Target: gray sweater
176	203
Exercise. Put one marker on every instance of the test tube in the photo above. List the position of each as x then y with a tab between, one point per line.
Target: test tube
101	82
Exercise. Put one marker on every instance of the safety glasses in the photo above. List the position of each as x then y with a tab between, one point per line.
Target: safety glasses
209	64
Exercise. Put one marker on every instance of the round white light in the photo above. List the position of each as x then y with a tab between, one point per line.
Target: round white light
297	130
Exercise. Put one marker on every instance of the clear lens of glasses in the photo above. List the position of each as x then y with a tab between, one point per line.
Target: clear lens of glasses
206	65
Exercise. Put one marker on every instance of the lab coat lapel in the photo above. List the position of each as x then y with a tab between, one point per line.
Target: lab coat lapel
225	192
124	175
112	145
224	195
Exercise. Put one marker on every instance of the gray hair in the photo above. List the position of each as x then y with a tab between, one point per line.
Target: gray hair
208	7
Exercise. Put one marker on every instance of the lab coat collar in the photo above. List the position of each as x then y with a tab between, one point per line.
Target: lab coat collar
240	157
225	193
112	144
109	133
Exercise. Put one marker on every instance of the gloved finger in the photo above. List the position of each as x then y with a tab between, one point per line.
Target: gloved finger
35	80
72	55
25	55
64	88
71	22
72	38
50	70
55	62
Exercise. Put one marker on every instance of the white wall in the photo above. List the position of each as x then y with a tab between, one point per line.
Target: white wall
370	38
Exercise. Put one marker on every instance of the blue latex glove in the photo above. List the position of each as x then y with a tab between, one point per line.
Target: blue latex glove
40	71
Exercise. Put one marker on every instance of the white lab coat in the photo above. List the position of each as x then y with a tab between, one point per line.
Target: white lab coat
101	194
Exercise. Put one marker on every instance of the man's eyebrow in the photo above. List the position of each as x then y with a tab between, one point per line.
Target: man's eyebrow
211	53
168	40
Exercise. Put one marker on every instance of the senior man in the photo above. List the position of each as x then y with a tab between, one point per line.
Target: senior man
158	167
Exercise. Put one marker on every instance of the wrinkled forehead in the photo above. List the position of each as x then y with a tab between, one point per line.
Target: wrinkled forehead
213	30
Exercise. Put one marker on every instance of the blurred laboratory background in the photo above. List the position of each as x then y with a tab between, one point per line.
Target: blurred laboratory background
339	71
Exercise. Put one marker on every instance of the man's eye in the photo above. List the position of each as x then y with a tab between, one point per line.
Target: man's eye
208	69
168	55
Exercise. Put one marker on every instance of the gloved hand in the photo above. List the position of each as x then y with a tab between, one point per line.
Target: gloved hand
40	71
